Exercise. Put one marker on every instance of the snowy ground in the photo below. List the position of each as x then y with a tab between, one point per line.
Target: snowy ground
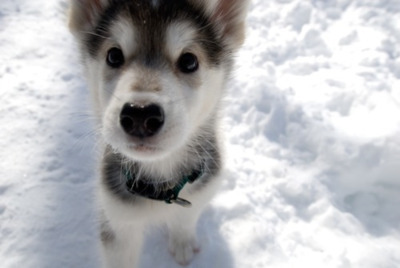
313	142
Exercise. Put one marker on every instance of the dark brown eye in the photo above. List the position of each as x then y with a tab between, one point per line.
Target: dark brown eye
115	58
188	63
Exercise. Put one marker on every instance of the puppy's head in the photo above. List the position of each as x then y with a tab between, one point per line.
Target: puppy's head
156	68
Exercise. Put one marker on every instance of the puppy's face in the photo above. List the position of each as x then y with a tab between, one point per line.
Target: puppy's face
156	69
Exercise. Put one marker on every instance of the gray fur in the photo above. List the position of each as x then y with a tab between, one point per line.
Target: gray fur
107	235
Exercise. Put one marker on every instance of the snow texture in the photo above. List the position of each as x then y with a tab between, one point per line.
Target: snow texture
312	135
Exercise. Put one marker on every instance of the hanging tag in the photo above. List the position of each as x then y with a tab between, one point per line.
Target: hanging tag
181	202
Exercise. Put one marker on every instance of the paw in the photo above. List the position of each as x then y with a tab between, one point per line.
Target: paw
183	250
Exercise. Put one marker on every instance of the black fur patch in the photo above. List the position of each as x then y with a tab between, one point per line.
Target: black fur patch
152	22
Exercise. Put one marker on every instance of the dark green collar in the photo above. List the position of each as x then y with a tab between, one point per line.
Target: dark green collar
161	192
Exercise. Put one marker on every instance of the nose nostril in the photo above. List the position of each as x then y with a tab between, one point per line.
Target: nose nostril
153	124
127	123
141	121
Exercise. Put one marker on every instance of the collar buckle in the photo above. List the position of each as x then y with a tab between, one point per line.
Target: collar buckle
168	196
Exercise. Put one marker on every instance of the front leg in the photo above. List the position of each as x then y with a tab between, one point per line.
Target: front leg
183	244
121	245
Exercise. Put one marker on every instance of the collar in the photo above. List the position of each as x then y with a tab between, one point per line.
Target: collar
163	191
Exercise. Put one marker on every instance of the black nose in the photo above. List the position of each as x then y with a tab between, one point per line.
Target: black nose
141	121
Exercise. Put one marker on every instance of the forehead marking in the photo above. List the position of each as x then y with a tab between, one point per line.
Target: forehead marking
179	36
123	33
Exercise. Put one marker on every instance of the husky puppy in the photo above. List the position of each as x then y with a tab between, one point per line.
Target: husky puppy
156	71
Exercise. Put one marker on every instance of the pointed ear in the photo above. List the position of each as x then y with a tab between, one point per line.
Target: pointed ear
84	13
230	15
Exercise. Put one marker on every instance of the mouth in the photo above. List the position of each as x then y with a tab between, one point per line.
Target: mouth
142	148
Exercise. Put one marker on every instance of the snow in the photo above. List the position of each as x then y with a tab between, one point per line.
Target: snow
312	142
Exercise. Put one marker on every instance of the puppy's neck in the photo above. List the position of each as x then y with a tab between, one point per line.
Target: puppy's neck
169	167
201	151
